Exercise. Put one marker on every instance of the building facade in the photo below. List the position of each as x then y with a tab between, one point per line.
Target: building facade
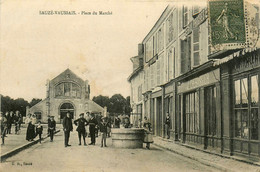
65	93
212	98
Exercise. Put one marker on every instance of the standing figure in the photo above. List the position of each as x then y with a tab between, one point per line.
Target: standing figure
81	123
16	121
20	120
103	130
9	117
148	138
33	119
167	125
51	127
3	127
126	123
108	126
39	129
67	128
92	128
30	134
117	122
49	120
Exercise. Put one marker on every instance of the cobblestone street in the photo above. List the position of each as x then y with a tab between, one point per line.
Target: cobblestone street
53	156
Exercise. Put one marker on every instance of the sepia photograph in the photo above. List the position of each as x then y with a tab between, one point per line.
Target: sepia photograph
130	85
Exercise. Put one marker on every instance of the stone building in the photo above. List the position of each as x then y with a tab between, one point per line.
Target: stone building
65	93
212	97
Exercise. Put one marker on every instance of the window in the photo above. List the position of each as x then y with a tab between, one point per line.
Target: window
210	110
191	112
67	89
140	93
185	16
185	55
155	51
170	64
162	70
38	115
160	39
196	47
246	108
158	72
149	49
152	70
169	29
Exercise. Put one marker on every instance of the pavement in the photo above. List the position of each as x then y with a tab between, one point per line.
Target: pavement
222	162
53	156
15	143
164	155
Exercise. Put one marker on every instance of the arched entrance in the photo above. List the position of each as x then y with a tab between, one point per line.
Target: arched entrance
66	107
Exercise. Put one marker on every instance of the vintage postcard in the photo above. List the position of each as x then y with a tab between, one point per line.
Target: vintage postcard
123	86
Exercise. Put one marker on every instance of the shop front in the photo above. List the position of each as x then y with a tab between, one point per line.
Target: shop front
241	89
198	108
169	107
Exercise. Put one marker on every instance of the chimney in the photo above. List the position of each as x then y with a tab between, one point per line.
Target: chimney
140	49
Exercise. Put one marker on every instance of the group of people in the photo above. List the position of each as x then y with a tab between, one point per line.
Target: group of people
7	120
81	124
35	128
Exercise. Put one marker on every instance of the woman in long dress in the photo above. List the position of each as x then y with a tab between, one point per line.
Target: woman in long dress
148	137
30	134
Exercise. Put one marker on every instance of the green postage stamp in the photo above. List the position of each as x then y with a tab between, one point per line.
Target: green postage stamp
232	24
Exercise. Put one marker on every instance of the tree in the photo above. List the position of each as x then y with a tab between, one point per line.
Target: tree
128	108
101	100
34	101
9	104
117	104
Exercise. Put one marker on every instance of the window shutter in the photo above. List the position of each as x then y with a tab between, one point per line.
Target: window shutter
189	54
196	48
183	56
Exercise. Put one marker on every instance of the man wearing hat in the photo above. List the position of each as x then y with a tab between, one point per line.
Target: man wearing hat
67	128
81	123
103	130
92	128
51	127
3	127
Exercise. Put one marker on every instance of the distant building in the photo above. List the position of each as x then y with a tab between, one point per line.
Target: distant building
212	98
65	93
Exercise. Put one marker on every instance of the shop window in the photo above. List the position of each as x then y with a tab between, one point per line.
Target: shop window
254	107
246	109
210	106
191	112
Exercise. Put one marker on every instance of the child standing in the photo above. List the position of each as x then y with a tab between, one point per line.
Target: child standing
103	130
39	129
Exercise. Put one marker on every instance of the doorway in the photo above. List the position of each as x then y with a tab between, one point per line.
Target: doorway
64	108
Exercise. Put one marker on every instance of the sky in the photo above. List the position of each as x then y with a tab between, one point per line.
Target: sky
98	48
